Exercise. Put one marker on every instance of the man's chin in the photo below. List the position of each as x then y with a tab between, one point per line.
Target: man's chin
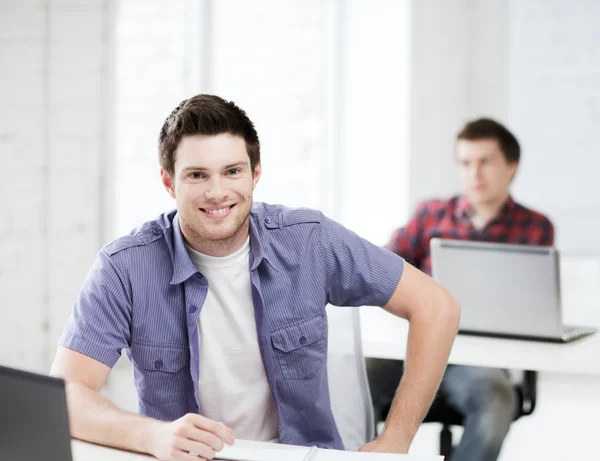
483	200
219	231
214	235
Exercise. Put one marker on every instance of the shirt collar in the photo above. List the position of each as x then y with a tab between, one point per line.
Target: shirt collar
184	268
509	206
463	207
465	210
260	248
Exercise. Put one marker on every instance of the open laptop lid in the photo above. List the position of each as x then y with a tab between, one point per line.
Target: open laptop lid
33	417
503	289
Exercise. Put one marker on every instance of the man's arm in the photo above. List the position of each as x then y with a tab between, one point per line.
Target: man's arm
433	316
94	418
97	331
358	273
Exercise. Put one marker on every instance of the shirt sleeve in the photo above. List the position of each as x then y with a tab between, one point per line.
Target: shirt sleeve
99	325
357	272
407	241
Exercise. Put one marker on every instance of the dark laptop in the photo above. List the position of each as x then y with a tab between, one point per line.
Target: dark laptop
33	417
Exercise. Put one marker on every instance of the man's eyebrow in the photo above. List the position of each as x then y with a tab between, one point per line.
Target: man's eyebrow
233	165
195	168
226	167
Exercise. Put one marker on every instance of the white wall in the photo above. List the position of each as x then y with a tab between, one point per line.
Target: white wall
458	69
150	80
53	125
554	105
373	159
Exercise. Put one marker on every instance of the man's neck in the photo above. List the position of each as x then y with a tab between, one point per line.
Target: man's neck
488	211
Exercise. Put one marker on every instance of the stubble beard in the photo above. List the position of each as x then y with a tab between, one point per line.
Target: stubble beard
215	244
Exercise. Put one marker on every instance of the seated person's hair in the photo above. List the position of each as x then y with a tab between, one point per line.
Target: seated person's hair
486	128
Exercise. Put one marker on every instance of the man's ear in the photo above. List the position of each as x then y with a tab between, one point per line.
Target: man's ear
256	175
167	182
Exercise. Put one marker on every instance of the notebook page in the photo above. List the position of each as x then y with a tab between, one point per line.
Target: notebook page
246	450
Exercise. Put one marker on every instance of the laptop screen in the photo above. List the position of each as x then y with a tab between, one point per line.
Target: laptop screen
33	417
502	288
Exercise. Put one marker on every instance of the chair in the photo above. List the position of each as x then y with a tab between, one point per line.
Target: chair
443	412
348	384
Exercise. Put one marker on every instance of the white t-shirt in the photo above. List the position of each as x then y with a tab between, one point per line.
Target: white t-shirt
478	223
233	384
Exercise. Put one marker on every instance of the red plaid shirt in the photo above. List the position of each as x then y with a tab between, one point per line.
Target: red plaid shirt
452	219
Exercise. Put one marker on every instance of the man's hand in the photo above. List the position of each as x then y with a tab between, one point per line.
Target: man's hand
190	438
387	443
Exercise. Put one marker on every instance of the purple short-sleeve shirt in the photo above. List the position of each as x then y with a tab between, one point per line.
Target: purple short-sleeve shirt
143	295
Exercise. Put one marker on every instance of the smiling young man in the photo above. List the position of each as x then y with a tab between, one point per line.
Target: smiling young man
220	306
488	156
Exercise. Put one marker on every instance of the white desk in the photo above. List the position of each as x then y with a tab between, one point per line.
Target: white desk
83	451
564	423
384	336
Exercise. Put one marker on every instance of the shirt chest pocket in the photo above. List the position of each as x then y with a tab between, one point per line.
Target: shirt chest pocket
160	372
300	349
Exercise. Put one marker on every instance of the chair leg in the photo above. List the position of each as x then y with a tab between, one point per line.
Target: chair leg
446	442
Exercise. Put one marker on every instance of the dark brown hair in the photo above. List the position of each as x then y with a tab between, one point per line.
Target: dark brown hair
486	128
208	115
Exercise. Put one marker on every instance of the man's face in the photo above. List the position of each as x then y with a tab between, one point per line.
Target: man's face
485	175
213	185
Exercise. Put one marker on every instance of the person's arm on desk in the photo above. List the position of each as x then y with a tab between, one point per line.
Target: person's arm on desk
433	316
94	418
100	328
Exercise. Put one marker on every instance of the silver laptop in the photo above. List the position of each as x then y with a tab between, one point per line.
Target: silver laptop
34	423
504	289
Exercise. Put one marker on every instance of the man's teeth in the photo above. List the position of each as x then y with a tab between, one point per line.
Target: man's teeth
219	211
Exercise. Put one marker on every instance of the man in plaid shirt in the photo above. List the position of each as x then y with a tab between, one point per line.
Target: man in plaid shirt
488	156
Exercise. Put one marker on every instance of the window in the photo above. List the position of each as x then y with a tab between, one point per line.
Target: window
324	82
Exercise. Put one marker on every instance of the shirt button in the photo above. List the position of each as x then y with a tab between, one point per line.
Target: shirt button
268	220
156	232
158	364
302	340
192	309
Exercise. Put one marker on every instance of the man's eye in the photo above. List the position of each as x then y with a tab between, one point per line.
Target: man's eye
233	171
195	175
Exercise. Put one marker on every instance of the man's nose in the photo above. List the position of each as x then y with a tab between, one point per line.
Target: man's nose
215	190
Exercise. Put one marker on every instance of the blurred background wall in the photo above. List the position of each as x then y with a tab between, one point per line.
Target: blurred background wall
357	104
